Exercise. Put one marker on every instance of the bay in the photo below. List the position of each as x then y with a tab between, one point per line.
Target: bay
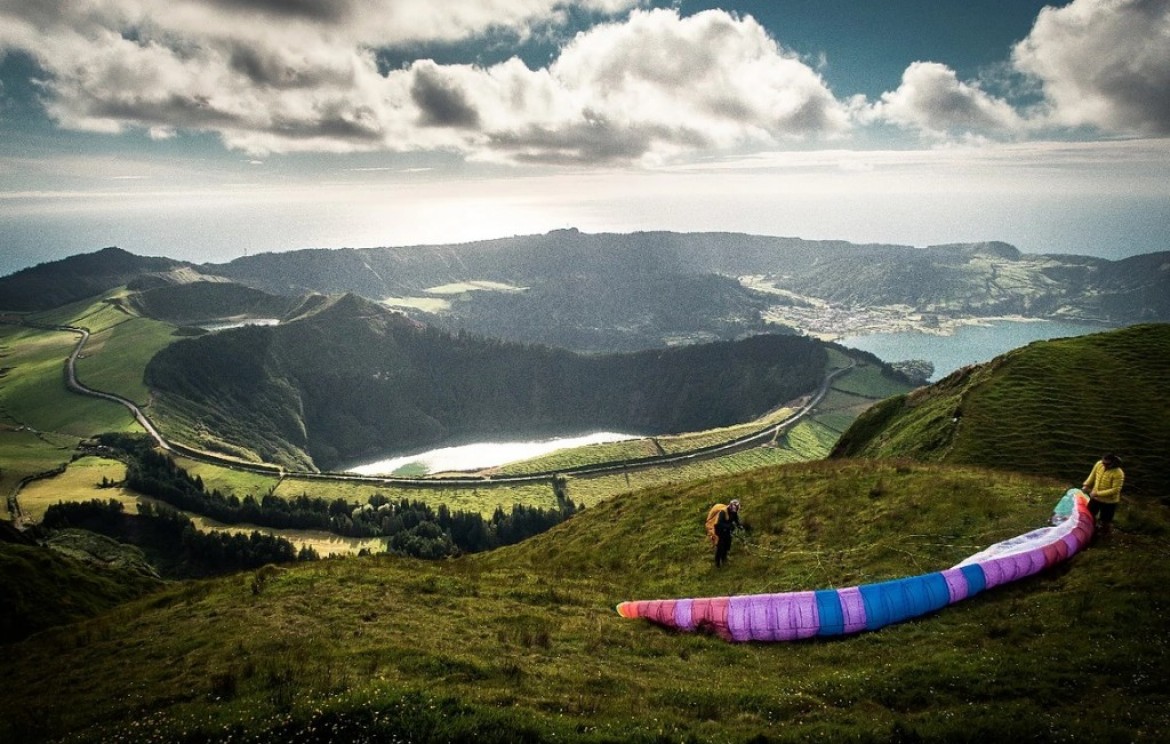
969	344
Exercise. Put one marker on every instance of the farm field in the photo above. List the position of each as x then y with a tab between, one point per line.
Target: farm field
81	482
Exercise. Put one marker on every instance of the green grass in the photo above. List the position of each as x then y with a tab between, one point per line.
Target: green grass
523	643
867	381
42	589
115	358
575	457
228	481
1050	408
79	482
483	500
33	392
41	421
27	453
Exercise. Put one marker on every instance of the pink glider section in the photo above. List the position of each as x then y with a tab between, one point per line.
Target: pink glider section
790	616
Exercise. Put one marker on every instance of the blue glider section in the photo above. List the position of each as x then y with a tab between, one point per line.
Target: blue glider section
831	612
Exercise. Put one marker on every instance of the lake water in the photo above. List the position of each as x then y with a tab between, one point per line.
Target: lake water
480	455
970	344
228	325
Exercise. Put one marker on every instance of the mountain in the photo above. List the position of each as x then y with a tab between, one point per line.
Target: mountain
57	283
1050	408
626	292
563	286
349	379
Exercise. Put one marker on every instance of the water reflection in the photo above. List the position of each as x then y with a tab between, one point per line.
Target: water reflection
229	324
480	455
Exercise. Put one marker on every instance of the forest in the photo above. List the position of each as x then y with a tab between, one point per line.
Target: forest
412	528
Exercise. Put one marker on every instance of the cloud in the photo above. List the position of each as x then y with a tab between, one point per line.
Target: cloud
440	99
1102	64
711	72
645	86
649	88
932	99
270	76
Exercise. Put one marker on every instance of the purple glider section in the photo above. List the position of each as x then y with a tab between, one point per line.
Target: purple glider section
790	616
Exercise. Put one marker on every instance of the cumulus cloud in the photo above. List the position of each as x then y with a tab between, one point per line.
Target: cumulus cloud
1098	64
301	75
932	99
276	76
1103	64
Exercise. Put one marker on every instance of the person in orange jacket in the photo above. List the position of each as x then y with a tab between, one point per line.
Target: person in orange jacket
722	520
1104	489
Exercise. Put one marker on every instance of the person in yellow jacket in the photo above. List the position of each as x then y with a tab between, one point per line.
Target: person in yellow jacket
722	520
1104	489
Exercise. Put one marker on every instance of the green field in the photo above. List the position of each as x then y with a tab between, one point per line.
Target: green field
33	392
80	482
41	421
115	358
25	453
523	644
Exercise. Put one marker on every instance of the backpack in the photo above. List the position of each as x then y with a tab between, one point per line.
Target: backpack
712	520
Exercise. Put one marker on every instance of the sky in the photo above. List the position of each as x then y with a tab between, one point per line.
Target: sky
210	129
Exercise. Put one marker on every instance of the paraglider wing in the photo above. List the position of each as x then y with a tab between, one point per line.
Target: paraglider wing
791	616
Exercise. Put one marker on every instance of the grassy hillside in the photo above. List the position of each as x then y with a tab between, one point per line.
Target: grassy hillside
41	421
45	588
1050	408
524	645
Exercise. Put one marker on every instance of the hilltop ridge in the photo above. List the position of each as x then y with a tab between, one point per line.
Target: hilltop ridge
1049	408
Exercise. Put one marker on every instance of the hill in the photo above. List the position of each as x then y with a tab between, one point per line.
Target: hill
523	644
57	283
350	379
45	588
1050	408
201	301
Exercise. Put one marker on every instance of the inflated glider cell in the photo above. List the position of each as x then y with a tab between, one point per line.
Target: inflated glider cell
790	616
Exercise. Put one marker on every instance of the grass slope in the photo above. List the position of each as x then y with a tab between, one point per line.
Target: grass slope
1050	408
523	644
43	588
